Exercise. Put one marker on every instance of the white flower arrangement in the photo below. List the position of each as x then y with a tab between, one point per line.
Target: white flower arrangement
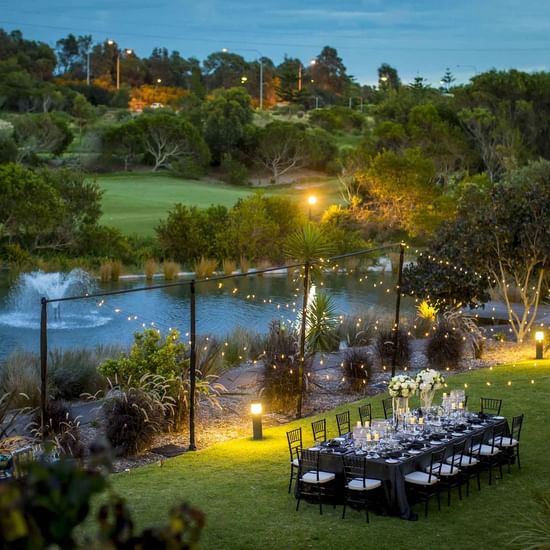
402	386
429	379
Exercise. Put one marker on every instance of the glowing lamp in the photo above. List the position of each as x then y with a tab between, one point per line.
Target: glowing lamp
539	339
312	199
256	410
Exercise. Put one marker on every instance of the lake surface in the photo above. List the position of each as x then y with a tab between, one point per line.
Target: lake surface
248	302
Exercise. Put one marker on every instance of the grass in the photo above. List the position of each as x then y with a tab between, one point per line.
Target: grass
136	202
241	485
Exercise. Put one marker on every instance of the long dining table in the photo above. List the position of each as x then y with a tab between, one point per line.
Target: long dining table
391	470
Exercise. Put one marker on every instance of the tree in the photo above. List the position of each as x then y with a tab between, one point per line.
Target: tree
167	137
328	74
227	114
40	133
124	141
224	70
281	147
447	81
83	112
388	78
504	236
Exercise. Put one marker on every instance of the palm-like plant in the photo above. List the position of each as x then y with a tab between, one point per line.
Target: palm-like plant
307	243
321	322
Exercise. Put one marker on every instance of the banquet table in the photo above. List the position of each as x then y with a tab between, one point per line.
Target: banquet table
393	474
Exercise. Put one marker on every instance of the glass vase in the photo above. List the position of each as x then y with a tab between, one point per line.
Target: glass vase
400	408
426	399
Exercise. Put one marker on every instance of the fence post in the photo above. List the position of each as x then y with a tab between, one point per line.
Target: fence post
43	364
303	342
192	369
397	307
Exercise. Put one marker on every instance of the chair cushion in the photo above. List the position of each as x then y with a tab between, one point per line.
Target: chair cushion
421	478
505	442
295	462
311	477
488	450
356	484
465	461
446	469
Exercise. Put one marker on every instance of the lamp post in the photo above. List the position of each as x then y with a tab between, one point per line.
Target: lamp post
127	51
88	67
256	410
539	340
312	201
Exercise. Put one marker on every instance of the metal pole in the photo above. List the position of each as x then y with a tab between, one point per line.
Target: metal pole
192	370
261	84
88	68
118	71
300	77
303	342
397	307
43	364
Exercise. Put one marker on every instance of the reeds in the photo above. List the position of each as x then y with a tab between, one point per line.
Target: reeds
170	270
244	264
229	266
205	267
150	268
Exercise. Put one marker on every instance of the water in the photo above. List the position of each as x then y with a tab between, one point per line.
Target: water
250	302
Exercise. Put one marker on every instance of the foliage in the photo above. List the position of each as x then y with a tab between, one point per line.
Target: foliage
170	270
321	323
123	141
242	345
337	118
150	354
358	367
9	412
234	171
357	330
307	243
205	267
150	268
228	267
20	377
8	150
445	346
384	347
280	381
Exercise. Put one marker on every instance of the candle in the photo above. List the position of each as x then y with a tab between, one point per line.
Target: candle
461	405
367	424
369	437
376	436
421	420
359	423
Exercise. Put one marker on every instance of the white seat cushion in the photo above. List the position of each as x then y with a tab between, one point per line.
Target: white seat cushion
296	462
356	484
463	461
488	450
505	442
421	478
446	469
311	477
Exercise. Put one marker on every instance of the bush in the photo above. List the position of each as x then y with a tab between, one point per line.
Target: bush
20	375
116	270
205	267
229	266
234	171
132	420
357	369
357	330
170	270
8	150
384	346
150	268
244	264
242	345
105	272
445	346
188	168
61	428
280	385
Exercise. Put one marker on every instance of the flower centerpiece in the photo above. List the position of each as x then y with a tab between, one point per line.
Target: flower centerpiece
428	381
401	387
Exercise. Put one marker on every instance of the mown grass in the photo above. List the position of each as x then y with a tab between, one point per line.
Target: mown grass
241	485
135	202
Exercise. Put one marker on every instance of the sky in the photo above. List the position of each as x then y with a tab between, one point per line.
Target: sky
418	37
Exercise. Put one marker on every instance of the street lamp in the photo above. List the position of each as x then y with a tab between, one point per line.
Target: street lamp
127	51
256	410
300	67
312	201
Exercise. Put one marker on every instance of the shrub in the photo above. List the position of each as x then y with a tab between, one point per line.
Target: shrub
234	171
61	428
150	268
263	264
468	328
171	270
229	266
445	346
384	347
357	330
116	270
242	345
20	376
105	271
244	264
205	267
9	413
132	420
426	316
280	384
188	168
357	369
321	324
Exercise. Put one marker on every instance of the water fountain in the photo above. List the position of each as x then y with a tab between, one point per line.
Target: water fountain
23	303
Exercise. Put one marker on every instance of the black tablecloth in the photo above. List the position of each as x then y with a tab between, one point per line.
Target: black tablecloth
393	475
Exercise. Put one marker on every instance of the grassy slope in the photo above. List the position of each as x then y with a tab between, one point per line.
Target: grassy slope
134	203
242	486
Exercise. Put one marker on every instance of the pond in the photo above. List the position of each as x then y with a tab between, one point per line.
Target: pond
247	302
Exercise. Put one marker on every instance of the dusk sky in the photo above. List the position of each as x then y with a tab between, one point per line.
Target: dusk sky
418	37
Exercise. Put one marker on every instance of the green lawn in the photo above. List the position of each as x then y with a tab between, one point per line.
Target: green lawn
134	203
241	485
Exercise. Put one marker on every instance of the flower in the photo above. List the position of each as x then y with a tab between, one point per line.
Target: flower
429	379
402	386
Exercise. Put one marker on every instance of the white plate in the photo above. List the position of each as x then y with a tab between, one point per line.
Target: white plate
314	449
415	452
392	461
498	417
476	426
457	434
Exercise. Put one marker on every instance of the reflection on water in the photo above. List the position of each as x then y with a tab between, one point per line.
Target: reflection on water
248	302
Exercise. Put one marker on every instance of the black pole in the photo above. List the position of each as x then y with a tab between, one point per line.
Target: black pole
192	370
397	307
303	342
43	364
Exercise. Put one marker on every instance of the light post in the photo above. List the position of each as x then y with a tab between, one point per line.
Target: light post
312	201
256	411
300	68
539	339
127	51
88	67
